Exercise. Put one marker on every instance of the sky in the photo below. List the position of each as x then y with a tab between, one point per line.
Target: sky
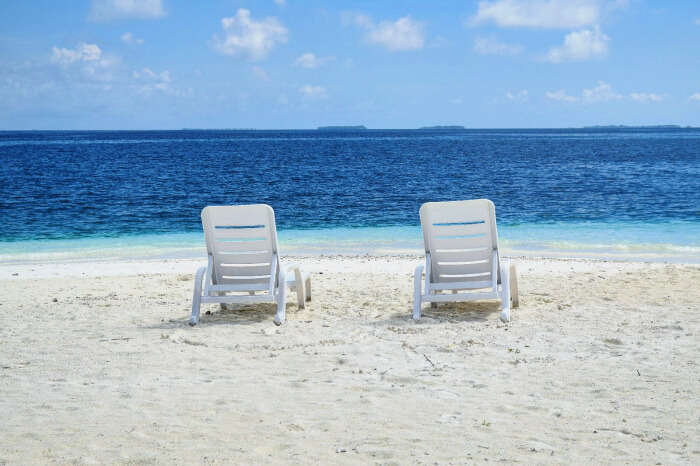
276	64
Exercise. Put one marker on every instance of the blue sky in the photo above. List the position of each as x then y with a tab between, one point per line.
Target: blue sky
169	64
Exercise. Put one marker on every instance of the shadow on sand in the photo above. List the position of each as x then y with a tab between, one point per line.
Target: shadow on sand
471	311
232	314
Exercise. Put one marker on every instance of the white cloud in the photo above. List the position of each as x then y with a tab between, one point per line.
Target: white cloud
106	10
646	97
521	96
81	53
81	84
85	62
260	73
244	35
280	2
314	92
580	45
491	46
561	96
309	60
403	34
102	70
128	38
456	101
695	97
603	92
149	82
555	14
697	21
148	74
400	35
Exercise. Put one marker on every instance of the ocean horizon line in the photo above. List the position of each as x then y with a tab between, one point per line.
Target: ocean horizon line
322	128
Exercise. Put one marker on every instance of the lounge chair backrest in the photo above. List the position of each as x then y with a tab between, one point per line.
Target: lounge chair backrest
242	241
460	237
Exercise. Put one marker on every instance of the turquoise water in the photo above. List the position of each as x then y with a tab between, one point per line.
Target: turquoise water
673	242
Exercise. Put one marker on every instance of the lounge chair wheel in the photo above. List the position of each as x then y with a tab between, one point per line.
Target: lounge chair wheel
505	316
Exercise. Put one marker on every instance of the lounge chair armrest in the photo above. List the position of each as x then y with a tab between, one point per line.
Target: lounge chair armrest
496	277
197	295
291	266
417	277
296	269
298	282
418	273
427	268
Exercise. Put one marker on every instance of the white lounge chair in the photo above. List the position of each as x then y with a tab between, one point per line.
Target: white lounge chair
462	257
244	265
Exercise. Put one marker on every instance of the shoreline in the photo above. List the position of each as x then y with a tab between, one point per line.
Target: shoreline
675	242
126	267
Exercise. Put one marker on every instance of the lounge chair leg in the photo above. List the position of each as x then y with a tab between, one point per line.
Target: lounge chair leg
301	298
417	276
505	295
281	296
197	296
513	280
308	289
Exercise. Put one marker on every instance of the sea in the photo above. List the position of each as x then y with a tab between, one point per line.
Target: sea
604	193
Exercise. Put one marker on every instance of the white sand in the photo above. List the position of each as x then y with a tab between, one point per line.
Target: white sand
599	365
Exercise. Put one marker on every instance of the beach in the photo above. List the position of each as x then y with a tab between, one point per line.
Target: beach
495	145
598	365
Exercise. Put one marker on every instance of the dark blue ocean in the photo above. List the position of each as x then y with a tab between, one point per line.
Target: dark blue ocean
591	190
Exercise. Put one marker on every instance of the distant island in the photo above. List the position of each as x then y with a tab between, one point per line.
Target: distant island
443	127
342	128
636	127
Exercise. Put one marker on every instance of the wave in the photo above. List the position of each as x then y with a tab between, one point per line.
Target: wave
676	242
